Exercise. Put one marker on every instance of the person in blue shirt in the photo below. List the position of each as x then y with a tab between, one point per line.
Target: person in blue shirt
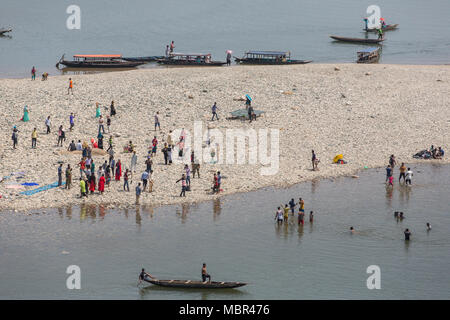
214	112
388	172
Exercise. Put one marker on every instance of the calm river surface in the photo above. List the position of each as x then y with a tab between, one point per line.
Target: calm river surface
238	239
144	27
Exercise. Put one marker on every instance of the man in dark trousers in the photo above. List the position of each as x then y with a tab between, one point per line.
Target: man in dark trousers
60	175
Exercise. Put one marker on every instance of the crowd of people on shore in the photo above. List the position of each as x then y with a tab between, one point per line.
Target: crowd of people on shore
94	181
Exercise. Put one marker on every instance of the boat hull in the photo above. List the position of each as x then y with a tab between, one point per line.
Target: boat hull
143	59
372	60
3	31
387	28
118	64
190	63
256	62
190	284
357	40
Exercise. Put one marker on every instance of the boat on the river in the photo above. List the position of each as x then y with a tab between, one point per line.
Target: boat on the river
98	61
4	30
190	59
357	40
369	55
193	284
143	59
387	27
269	57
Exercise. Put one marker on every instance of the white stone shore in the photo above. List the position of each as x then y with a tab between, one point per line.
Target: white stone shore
365	112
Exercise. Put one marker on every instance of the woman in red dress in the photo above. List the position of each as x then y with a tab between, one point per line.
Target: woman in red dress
101	184
118	170
92	183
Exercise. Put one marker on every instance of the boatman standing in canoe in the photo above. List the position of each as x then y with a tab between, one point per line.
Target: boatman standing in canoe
205	275
380	34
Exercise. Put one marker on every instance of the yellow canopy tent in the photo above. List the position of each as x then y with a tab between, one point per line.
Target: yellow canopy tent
337	158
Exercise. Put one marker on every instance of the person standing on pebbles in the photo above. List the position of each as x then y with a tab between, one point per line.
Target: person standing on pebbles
47	124
183	185
214	112
70	88
71	121
314	161
33	139
68	176
157	124
112	109
60	175
15	136
98	112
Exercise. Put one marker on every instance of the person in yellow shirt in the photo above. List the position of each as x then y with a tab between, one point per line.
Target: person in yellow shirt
402	172
33	139
301	204
286	213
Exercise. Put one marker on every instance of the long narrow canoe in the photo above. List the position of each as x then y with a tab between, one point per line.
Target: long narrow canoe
357	40
143	59
193	284
3	30
387	28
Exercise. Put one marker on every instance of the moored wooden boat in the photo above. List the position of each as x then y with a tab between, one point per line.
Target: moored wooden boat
98	61
5	30
357	40
388	27
190	59
370	55
269	58
193	284
143	59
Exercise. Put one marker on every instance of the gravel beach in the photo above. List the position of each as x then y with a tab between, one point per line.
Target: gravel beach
365	112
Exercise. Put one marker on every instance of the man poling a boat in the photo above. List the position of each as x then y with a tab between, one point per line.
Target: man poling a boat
144	275
380	34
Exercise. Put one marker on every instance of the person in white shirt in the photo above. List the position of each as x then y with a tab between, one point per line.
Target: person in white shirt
79	146
167	51
409	175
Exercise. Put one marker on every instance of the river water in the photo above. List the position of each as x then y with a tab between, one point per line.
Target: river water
237	237
144	27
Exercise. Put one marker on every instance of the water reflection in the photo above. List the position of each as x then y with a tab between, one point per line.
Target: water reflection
138	216
217	208
185	208
314	185
204	294
69	212
389	193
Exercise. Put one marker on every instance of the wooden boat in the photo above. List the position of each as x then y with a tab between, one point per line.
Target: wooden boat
370	55
388	27
269	57
193	284
190	59
143	59
98	61
357	40
4	30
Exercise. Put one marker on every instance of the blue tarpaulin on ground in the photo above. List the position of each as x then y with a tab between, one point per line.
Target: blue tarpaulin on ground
30	184
43	188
